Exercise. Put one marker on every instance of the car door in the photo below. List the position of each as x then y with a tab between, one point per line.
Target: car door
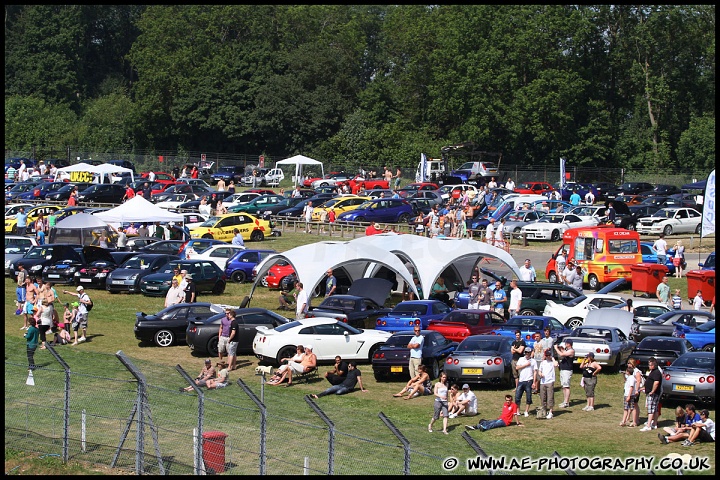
329	339
682	221
221	255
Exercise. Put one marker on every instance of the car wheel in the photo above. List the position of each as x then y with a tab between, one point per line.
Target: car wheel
238	276
552	277
517	230
403	218
219	288
286	352
528	312
324	184
555	236
436	369
164	338
257	236
708	348
360	219
698	229
212	346
593	282
616	366
668	230
379	376
207	235
263	281
575	322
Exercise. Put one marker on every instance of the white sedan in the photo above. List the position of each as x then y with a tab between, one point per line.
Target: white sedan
327	336
553	225
573	313
218	254
239	198
671	220
589	212
647	309
176	199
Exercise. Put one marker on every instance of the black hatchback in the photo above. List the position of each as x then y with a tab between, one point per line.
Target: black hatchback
66	271
208	277
168	326
102	193
40	256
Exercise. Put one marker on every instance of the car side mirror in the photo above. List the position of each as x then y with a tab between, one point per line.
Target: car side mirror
346	333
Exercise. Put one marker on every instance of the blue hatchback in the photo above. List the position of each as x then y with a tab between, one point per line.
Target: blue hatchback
239	268
388	210
409	313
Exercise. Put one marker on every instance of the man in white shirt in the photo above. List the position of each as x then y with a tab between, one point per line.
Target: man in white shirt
527	271
527	376
589	198
510	185
467	403
492	184
702	431
546	372
500	233
660	247
307	213
515	299
151	176
301	302
490	232
415	345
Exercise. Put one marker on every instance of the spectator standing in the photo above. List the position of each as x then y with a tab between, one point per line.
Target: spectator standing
143	231
590	368
81	316
629	389
339	372
473	292
509	411
32	294
233	341
354	377
546	372
485	296
517	348
207	372
566	355
11	173
515	299
560	263
220	185
527	271
653	384
510	185
660	247
129	193
679	259
440	406
575	199
492	183
611	214
589	198
307	215
194	173
499	297
231	187
330	283
490	231
415	346
397	177
639	387
31	336
174	294
677	300
331	219
500	233
238	238
224	332
301	300
146	191
45	313
662	292
190	289
575	279
21	224
527	378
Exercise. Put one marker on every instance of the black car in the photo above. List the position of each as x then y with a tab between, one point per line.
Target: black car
602	189
635	188
662	201
66	271
127	277
662	190
63	194
663	324
285	203
99	263
206	275
168	326
665	349
202	336
360	307
296	210
393	357
40	256
102	193
171	247
637	212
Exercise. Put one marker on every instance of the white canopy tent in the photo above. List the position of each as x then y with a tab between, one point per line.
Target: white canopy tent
84	172
137	209
81	228
299	161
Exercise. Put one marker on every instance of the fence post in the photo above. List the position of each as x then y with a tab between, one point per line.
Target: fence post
331	433
199	465
403	440
263	424
478	451
66	403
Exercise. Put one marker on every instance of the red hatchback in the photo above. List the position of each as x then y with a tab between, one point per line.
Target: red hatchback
534	188
277	273
457	325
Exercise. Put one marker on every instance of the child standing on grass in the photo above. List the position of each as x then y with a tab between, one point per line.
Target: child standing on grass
628	396
677	300
32	336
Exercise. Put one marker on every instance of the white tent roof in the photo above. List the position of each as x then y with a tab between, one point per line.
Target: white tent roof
81	220
137	209
299	161
102	170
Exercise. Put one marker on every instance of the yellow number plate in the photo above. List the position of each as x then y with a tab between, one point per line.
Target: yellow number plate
683	388
472	371
396	369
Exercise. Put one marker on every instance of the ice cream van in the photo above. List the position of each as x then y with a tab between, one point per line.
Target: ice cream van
605	253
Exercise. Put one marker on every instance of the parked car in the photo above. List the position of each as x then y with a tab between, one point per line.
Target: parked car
602	188
645	310
332	179
40	256
296	211
18	188
96	272
340	204
12	209
168	326
102	193
67	271
229	172
609	344
170	247
32	215
460	324
388	210
127	277
199	245
206	275
664	349
665	324
62	194
187	188
222	227
690	377
530	325
16	246
393	358
360	307
136	243
329	337
284	204
662	190
634	188
239	268
538	188
709	263
671	220
649	255
236	199
573	313
276	275
406	315
517	219
175	200
629	199
40	191
701	337
219	254
552	226
259	205
481	359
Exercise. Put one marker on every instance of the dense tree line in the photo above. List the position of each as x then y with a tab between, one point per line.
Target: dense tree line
620	86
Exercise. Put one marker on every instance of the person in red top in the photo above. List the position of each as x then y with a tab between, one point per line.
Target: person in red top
372	229
510	410
72	200
194	173
129	193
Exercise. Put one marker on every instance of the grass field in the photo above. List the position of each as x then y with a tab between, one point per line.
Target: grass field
571	433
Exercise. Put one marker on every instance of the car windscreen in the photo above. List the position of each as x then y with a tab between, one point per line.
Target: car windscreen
399	340
649	343
408	308
137	262
706	327
695	361
479	345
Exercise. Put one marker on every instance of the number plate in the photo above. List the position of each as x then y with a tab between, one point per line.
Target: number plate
683	388
118	282
52	275
86	280
472	371
149	287
396	369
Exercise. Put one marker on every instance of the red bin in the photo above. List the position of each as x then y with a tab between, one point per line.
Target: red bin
213	451
703	280
647	276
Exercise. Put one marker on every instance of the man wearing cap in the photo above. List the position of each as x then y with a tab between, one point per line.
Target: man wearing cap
190	289
467	403
527	377
566	355
546	372
81	318
207	372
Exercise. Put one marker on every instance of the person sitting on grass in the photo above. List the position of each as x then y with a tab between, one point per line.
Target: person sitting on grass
207	373
420	384
353	378
510	410
702	431
222	379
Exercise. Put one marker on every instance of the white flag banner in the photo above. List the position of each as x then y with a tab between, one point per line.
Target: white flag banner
708	218
423	171
562	173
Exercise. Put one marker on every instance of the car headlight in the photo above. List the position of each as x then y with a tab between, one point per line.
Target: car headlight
71	269
35	268
100	275
77	274
133	277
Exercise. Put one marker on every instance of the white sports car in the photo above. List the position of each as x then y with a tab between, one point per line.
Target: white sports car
553	225
671	220
327	336
219	254
177	199
573	313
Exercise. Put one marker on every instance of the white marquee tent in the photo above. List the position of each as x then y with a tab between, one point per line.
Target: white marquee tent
137	209
101	171
299	161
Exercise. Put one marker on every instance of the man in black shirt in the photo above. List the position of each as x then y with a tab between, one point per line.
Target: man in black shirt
353	378
233	341
213	203
653	383
339	372
147	191
517	349
190	290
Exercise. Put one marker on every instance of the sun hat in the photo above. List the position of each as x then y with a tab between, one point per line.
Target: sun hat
80	288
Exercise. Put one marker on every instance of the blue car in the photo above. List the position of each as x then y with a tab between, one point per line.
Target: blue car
529	326
649	256
701	337
40	191
239	268
709	263
388	210
409	313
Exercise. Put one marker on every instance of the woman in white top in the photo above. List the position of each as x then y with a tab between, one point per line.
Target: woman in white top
45	312
441	403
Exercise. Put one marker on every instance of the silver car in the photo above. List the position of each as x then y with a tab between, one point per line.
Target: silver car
519	218
481	359
690	377
609	344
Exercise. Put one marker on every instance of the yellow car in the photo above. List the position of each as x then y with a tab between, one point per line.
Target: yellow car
222	227
340	204
33	213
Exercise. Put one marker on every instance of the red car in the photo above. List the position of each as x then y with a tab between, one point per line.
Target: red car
276	273
422	186
160	177
534	188
457	325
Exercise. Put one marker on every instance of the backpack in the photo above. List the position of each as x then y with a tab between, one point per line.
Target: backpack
88	306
